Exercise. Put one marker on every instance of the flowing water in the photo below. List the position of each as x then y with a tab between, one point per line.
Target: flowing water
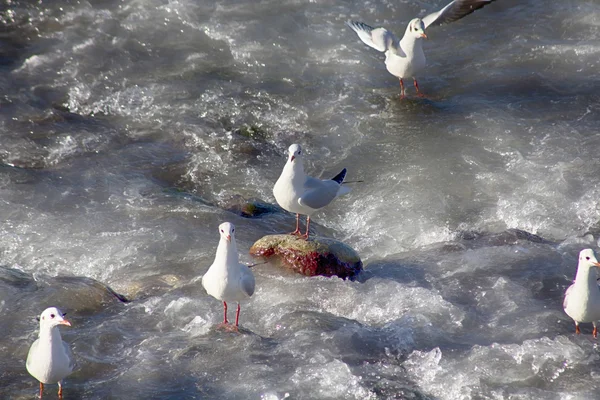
130	129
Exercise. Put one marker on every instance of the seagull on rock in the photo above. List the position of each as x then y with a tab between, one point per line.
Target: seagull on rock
226	279
50	360
405	58
302	194
582	298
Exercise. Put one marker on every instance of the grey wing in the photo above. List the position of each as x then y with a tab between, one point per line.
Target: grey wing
32	351
247	280
454	11
320	195
72	362
312	183
566	300
378	38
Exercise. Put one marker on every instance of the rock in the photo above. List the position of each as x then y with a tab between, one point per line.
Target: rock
248	208
316	256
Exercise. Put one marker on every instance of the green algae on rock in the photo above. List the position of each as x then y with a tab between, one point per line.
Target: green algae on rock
316	256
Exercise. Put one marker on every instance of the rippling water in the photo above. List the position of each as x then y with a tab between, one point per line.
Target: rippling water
130	129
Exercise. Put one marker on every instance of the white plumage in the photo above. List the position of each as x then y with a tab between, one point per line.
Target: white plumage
582	298
226	279
50	360
302	194
405	58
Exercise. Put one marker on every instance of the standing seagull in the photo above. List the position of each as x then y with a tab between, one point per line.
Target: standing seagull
50	360
405	58
301	194
227	279
582	298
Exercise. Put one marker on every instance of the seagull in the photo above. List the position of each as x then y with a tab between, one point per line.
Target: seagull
227	279
302	194
582	298
405	57
50	360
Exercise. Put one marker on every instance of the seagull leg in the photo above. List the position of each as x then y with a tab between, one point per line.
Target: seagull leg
577	331
41	389
595	331
417	87
305	236
60	390
237	315
297	231
402	89
225	323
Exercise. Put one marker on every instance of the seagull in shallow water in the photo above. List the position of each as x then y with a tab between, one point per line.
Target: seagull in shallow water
302	194
405	58
227	279
50	360
582	298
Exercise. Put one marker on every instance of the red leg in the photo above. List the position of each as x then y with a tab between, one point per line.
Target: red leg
401	88
577	331
595	332
417	87
225	322
297	231
305	236
60	391
41	389
237	315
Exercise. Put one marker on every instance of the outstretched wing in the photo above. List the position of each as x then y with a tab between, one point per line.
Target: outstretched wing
454	11
378	38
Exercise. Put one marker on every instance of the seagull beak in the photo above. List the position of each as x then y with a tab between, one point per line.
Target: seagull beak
596	264
292	159
228	237
65	322
423	35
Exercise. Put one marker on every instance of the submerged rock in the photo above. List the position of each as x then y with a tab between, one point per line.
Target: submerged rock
316	256
248	208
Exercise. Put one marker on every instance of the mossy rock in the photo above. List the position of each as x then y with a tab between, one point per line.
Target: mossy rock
316	256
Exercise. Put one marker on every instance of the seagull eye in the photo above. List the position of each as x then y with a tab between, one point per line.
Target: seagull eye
222	231
52	315
587	258
233	230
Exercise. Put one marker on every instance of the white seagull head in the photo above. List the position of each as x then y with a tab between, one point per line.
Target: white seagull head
294	151
52	317
226	230
416	28
587	259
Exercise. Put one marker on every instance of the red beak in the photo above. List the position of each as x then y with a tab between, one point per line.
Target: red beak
292	159
65	322
229	238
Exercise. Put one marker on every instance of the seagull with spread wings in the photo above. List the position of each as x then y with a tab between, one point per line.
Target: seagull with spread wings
404	57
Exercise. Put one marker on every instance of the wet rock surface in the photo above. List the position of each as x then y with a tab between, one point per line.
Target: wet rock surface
316	256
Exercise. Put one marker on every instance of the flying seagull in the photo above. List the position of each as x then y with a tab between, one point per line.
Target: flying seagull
405	58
